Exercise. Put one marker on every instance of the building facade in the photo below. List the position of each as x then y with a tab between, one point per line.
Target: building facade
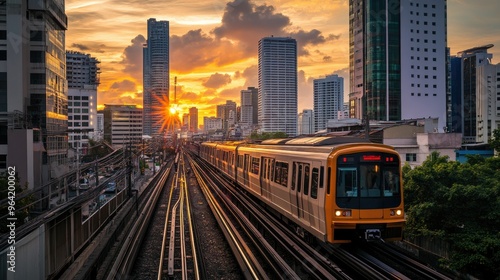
211	124
475	93
277	77
398	58
193	119
249	106
328	100
83	79
156	76
306	122
33	89
122	125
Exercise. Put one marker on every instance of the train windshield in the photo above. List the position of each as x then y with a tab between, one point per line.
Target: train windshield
368	180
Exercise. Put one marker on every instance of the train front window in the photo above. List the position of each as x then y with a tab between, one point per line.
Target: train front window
347	182
368	180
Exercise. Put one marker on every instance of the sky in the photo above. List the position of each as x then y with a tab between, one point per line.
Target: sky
213	44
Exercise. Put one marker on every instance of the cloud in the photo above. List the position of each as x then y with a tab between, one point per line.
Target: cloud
248	23
251	74
195	50
124	85
132	57
217	80
95	48
312	37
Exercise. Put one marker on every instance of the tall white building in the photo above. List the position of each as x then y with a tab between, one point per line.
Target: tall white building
306	122
398	58
156	76
83	79
278	85
328	100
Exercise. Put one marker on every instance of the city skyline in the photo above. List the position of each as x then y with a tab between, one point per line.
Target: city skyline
214	45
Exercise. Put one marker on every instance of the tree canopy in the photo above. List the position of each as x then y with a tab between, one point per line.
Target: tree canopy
460	204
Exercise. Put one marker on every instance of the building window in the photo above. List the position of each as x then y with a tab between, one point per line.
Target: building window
3	161
3	55
37	78
36	36
37	57
411	157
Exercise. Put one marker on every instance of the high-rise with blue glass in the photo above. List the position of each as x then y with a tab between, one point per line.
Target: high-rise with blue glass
398	59
156	76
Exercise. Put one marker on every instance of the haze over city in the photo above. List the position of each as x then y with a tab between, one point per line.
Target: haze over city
213	44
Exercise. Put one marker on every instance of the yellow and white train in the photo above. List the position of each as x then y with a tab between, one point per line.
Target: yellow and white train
331	188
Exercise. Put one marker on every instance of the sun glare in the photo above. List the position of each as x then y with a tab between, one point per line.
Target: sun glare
168	118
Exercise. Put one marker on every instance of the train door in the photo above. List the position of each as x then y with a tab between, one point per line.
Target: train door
304	195
293	190
312	198
245	170
264	178
300	190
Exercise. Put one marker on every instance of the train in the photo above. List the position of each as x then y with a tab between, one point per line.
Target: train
337	189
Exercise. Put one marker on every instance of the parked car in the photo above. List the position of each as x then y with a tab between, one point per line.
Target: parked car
111	188
84	186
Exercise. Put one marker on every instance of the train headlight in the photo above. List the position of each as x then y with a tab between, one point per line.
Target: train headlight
343	213
396	212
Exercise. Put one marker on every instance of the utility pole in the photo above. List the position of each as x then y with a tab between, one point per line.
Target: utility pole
77	168
129	169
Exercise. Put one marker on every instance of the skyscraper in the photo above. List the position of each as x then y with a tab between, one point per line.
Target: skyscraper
278	85
328	100
475	83
398	59
156	76
33	89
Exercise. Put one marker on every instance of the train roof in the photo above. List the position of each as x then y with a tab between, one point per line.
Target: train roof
325	140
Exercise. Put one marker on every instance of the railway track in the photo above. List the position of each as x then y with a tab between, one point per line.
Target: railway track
263	246
179	256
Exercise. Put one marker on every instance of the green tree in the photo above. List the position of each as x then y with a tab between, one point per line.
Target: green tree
459	203
21	211
494	141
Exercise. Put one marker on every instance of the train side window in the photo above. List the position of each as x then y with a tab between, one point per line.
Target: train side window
328	180
277	172
284	174
240	161
306	179
314	183
255	165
